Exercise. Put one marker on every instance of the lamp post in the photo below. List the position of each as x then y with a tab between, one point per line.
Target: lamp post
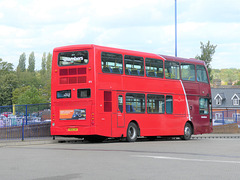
175	28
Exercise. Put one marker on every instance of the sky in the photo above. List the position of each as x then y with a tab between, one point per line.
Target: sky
141	25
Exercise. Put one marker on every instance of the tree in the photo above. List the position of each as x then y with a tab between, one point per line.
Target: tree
8	82
17	92
49	65
31	96
44	59
5	67
207	51
31	62
22	63
237	83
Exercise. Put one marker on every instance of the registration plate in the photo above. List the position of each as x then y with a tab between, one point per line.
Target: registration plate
72	129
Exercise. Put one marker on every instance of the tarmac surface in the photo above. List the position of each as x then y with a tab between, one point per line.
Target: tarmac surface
208	157
49	140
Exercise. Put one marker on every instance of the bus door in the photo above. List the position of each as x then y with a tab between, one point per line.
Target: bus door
118	116
120	112
203	115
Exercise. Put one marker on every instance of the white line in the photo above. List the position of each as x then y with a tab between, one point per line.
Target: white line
184	159
189	115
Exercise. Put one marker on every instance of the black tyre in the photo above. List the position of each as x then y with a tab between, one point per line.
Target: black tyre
187	132
132	132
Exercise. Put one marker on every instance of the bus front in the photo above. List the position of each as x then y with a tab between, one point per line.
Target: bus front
72	91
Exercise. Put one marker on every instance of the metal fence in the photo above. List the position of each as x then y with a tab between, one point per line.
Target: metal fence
226	117
18	122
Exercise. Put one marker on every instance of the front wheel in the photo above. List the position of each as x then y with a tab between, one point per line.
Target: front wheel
132	132
187	132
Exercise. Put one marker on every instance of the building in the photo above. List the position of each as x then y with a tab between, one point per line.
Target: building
226	105
226	99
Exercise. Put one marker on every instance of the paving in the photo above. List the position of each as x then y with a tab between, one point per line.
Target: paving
200	158
49	140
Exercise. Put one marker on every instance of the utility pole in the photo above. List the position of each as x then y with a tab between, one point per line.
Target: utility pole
175	28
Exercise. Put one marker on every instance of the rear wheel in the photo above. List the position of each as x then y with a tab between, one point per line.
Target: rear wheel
187	132
132	132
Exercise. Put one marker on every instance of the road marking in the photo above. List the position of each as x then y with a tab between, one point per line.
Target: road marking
185	159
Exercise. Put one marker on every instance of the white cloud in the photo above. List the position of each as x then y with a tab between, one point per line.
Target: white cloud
143	25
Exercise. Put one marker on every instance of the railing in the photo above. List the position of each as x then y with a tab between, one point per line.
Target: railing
226	117
25	121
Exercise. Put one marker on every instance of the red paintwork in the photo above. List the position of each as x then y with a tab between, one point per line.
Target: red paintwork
113	124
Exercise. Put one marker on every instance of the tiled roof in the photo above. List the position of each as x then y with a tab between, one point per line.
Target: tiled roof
226	95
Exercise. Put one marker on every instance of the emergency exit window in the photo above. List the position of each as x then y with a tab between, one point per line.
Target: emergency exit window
84	93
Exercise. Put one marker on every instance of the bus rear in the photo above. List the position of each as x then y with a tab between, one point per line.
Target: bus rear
72	91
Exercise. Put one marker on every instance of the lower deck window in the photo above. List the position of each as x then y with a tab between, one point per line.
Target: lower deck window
155	103
203	106
169	104
135	103
83	93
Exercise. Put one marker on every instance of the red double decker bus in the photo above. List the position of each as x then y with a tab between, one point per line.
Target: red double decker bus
100	92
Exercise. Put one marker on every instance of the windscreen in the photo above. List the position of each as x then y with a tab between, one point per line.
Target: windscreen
73	58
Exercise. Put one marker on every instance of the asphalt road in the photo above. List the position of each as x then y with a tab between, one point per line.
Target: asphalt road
161	159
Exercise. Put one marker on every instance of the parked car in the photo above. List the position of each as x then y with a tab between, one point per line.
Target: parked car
6	114
217	122
1	123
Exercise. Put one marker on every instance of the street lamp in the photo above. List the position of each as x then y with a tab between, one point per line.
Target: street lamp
175	28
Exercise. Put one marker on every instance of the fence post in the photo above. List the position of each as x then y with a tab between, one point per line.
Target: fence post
236	115
223	118
26	115
23	129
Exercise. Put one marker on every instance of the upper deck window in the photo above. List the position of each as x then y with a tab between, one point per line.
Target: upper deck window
112	63
154	68
134	65
188	72
73	58
172	70
201	74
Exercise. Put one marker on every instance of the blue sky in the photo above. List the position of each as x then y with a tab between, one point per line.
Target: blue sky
142	25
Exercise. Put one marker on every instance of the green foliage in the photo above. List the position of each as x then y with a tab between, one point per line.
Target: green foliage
237	83
44	60
25	87
31	62
17	92
207	51
5	67
8	82
49	65
31	96
22	63
227	76
28	79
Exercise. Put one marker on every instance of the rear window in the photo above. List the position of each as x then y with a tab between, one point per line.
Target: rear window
73	58
83	93
64	94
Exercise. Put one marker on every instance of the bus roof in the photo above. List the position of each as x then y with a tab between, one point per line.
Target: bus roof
164	57
179	59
